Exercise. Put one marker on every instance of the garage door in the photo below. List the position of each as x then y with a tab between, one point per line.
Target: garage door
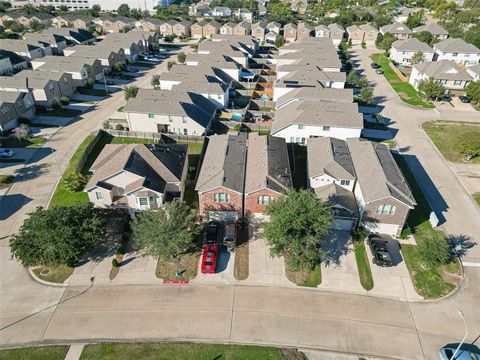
382	228
227	216
342	224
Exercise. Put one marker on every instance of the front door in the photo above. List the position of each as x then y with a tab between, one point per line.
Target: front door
162	128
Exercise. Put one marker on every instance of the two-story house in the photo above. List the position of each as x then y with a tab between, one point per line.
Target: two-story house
457	50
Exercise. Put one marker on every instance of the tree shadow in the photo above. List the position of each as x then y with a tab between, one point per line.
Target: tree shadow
10	204
29	172
461	244
335	246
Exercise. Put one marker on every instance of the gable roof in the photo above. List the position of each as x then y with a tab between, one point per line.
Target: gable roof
432	28
317	93
411	44
457	46
377	172
443	70
329	156
156	164
343	202
224	163
267	164
396	28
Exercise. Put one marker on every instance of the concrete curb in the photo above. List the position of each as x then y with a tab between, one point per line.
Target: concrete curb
47	283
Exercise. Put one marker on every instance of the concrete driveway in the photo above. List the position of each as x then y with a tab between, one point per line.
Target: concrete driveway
264	269
339	267
224	272
392	281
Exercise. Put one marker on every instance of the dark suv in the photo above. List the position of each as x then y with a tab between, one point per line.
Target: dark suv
379	248
213	233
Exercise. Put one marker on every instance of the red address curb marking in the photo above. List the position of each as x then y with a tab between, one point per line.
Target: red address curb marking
166	282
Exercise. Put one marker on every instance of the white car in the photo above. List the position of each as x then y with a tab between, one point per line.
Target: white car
162	50
5	153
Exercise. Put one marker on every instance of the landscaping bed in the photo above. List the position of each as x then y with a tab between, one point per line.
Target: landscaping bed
240	267
93	92
54	274
445	134
186	265
364	271
36	353
6	180
186	351
476	196
311	278
405	91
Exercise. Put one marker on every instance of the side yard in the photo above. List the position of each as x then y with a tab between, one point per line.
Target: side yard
447	134
405	91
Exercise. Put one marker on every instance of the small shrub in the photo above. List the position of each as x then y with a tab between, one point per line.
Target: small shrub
406	232
75	182
434	250
106	125
24	121
115	262
119	127
364	46
56	105
65	100
359	234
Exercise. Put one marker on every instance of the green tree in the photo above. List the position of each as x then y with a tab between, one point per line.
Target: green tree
469	145
170	64
279	41
17	27
424	36
59	235
299	222
181	57
418	57
4	6
165	233
123	10
169	38
434	251
415	20
155	82
473	91
366	95
280	11
94	10
130	92
430	89
119	66
387	41
356	80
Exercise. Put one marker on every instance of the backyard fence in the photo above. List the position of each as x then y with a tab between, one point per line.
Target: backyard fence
155	136
88	150
252	126
398	72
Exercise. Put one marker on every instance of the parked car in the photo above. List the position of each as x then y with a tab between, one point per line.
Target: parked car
159	56
209	259
162	50
446	353
213	233
375	66
464	99
379	71
5	153
230	235
379	248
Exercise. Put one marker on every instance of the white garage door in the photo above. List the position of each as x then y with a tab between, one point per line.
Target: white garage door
342	224
382	228
228	216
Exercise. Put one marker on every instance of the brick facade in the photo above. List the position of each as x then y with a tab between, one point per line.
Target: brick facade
251	201
207	202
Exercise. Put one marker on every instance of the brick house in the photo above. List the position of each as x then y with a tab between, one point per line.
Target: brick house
290	32
234	182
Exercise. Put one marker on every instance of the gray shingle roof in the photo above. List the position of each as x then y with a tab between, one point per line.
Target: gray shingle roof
456	46
224	163
396	28
156	164
432	28
443	70
329	156
377	172
411	45
319	94
343	201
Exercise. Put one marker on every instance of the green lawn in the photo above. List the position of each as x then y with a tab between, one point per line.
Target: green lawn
308	278
36	353
428	283
186	264
476	196
182	352
12	142
93	92
6	180
57	274
445	135
406	91
364	271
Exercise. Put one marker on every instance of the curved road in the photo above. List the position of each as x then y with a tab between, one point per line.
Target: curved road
305	318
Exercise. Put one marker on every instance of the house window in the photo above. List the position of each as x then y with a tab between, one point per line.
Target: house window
455	54
170	119
184	119
292	139
151	116
185	132
301	127
99	195
221	197
326	128
151	199
264	199
345	182
65	79
5	110
386	209
443	82
457	82
143	201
